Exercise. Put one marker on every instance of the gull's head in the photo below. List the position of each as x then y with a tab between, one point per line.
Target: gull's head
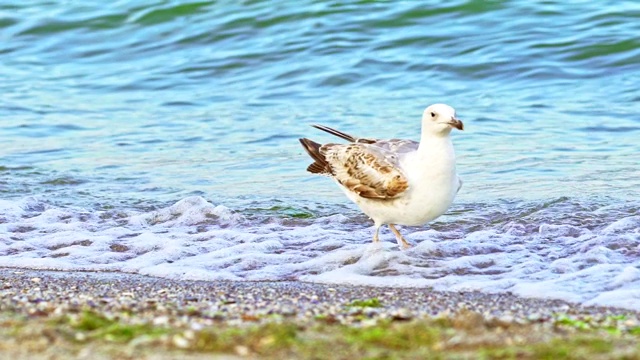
440	119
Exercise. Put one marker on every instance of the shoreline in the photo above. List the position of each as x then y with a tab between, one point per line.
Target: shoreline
180	311
420	301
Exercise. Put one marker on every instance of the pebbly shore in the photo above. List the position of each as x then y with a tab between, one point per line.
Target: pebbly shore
50	292
28	296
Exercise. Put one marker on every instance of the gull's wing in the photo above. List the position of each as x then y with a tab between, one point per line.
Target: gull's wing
365	169
393	145
345	136
397	146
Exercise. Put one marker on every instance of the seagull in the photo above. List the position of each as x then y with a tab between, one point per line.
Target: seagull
395	181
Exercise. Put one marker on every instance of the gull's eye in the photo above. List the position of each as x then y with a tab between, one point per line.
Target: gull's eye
433	114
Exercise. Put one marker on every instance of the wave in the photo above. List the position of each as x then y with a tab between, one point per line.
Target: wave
586	252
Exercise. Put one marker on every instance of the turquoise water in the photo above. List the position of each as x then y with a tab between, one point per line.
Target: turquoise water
112	110
139	102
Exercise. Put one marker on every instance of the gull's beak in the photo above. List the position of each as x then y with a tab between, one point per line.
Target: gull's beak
456	123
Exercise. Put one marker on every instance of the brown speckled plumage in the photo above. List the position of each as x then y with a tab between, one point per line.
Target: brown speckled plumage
364	170
367	167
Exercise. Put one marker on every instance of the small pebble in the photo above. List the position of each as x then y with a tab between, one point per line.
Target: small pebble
401	314
534	317
161	320
242	350
180	342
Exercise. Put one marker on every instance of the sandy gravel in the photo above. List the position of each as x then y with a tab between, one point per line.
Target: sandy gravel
43	292
31	301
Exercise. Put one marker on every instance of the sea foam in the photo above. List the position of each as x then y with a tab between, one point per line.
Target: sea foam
529	250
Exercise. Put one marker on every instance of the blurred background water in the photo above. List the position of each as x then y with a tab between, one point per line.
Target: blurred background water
135	105
143	101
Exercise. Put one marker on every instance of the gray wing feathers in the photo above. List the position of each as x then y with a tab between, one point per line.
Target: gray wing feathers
397	146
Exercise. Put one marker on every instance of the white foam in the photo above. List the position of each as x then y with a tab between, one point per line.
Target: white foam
196	240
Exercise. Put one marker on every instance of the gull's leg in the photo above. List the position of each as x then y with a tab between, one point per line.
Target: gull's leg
401	241
375	234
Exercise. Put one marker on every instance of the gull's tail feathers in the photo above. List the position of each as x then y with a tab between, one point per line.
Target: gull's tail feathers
320	165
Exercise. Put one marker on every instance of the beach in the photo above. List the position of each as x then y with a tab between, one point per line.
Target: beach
49	314
155	201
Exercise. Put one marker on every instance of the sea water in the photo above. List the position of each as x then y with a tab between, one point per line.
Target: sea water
160	138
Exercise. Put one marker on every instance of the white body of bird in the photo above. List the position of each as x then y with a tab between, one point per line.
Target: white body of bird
433	184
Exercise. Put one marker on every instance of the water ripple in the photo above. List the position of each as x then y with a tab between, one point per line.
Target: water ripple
115	87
